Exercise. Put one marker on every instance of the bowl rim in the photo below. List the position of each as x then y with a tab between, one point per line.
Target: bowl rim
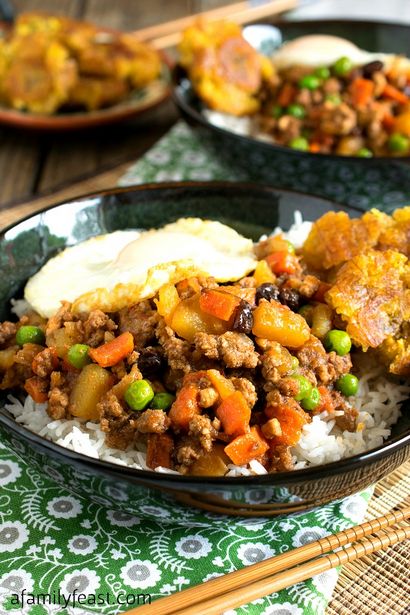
188	110
278	478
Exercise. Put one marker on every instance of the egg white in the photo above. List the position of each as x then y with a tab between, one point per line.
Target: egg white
322	50
121	268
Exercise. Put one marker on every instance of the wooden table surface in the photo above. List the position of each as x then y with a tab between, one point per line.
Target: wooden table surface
36	163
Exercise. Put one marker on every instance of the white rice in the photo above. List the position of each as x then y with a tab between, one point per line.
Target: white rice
378	402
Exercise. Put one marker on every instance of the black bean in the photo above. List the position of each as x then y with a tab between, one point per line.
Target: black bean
267	291
290	297
243	319
150	361
372	67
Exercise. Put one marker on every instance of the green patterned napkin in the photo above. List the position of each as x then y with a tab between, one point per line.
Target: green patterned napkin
52	542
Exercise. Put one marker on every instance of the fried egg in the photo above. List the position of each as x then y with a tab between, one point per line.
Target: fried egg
322	49
118	269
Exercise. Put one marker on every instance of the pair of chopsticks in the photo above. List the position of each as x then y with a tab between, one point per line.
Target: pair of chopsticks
273	574
168	34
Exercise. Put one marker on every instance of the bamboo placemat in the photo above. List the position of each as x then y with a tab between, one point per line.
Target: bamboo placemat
377	584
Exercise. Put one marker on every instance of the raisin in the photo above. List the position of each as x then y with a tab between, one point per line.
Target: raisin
150	361
372	67
290	297
243	319
267	291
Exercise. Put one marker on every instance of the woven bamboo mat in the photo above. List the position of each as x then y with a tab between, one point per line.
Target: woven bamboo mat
375	585
379	583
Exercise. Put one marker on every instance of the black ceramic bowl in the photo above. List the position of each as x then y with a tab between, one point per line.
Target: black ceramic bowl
288	168
250	209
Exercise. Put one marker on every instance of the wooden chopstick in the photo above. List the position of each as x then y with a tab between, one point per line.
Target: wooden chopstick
259	589
195	597
168	34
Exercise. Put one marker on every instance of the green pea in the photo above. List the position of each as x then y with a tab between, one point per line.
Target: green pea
299	143
139	394
162	401
78	355
363	152
398	143
296	111
339	341
311	401
306	312
304	387
322	72
347	384
29	334
334	98
276	111
342	66
310	82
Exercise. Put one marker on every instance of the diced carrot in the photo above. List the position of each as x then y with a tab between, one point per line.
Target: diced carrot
361	91
185	407
37	389
277	323
219	304
111	353
263	274
315	147
388	121
159	450
401	123
54	360
286	95
321	292
247	447
291	418
223	386
326	401
234	414
282	262
395	94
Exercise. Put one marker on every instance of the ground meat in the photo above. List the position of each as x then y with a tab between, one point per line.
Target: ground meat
24	358
289	126
58	397
341	365
346	422
307	286
60	317
153	421
281	459
326	367
95	327
177	352
201	427
276	363
141	320
339	120
248	390
332	86
208	397
233	349
45	362
187	450
120	425
289	387
7	332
